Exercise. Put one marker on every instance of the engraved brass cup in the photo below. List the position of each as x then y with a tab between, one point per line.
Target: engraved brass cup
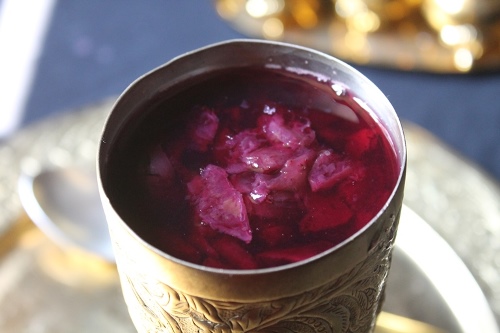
340	290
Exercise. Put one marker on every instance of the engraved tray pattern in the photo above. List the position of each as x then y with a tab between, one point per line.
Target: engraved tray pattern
454	196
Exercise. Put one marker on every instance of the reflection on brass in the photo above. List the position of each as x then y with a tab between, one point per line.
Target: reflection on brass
11	238
445	36
69	266
73	267
390	323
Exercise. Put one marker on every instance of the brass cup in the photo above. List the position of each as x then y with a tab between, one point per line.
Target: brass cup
339	290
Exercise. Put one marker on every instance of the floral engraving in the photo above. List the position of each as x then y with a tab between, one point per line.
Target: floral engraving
347	304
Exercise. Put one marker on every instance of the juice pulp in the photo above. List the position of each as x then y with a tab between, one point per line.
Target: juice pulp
252	168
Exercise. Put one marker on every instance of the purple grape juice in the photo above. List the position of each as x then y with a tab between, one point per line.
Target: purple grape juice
252	168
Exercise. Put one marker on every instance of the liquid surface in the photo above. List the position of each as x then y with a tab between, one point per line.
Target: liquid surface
252	169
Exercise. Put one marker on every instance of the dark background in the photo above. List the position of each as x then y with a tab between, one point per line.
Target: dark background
94	49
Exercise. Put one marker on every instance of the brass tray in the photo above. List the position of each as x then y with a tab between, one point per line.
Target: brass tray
46	289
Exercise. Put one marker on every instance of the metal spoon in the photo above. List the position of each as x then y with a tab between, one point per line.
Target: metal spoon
64	203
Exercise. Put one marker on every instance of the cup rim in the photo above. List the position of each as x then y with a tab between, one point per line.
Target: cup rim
402	153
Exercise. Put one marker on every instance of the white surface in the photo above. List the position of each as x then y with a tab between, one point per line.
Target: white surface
23	24
447	272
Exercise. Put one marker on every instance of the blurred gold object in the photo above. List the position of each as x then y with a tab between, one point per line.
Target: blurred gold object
443	36
469	28
440	13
